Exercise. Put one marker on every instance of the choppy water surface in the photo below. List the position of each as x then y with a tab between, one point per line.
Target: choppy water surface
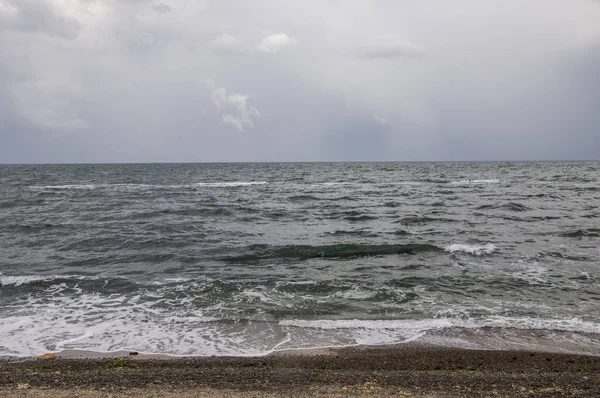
238	259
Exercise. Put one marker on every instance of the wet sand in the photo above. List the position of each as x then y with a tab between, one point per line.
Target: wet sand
404	370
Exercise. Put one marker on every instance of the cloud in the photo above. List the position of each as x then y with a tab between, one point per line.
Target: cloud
163	8
234	121
226	44
40	16
388	47
273	43
464	82
381	119
235	108
47	105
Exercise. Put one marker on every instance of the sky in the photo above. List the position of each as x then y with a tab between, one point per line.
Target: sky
88	81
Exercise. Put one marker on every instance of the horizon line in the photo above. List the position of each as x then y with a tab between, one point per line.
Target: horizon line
300	162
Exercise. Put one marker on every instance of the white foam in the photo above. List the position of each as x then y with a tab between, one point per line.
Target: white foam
161	322
68	186
467	182
222	184
475	250
565	325
66	318
408	324
17	280
229	184
404	183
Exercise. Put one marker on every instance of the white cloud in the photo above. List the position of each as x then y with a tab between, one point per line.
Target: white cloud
273	43
235	108
234	121
388	47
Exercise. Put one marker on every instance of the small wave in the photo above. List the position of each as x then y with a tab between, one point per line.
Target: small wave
510	206
363	233
18	280
340	198
302	198
470	182
416	220
407	183
229	184
261	252
581	233
330	184
475	250
363	217
220	184
454	319
68	186
327	324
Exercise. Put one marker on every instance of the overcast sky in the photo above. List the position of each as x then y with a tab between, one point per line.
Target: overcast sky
309	80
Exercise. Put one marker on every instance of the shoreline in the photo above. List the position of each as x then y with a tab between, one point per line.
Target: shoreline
485	338
411	369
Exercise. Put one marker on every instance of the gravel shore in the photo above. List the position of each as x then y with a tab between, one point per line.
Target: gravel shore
403	370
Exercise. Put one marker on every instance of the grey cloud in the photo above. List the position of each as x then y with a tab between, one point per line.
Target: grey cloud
388	47
226	44
135	84
162	8
37	16
381	119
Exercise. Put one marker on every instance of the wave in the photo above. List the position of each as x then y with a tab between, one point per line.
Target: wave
471	182
510	206
71	186
228	184
191	316
498	321
220	184
580	233
493	332
475	250
357	218
19	280
302	198
363	233
330	184
302	252
416	220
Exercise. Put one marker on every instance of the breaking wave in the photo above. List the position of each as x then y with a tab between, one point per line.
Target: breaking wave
220	184
475	250
470	182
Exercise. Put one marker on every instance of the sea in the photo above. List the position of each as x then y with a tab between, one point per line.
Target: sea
248	259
